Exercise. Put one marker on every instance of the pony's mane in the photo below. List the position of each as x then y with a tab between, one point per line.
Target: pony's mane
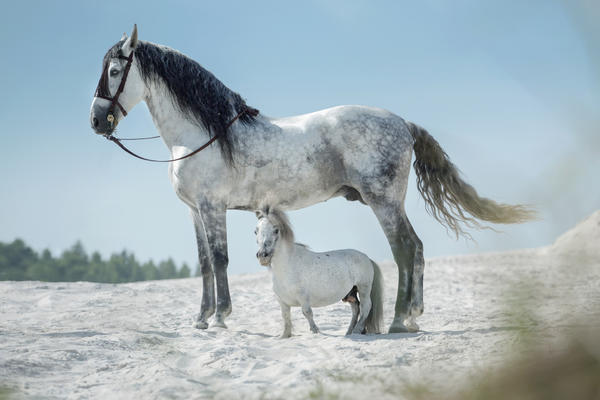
279	219
196	92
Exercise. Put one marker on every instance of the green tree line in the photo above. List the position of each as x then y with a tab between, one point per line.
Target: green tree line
19	262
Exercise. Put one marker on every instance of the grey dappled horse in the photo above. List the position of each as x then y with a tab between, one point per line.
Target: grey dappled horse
358	152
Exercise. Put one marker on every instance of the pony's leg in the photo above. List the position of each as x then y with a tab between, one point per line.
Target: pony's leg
354	318
287	320
407	249
215	228
365	308
307	311
207	307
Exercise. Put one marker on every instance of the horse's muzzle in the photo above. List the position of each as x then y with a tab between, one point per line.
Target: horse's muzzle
102	119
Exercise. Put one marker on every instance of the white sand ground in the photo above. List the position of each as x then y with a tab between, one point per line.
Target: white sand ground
87	340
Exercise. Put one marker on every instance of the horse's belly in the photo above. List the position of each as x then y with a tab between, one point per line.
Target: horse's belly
289	192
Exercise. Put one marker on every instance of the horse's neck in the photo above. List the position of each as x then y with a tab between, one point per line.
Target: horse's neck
174	127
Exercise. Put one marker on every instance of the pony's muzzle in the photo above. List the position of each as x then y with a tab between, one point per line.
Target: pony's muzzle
264	258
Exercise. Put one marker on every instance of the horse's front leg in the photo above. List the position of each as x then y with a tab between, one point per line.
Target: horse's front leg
215	228
207	307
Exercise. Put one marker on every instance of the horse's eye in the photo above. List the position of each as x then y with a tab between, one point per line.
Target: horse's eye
255	231
276	231
114	72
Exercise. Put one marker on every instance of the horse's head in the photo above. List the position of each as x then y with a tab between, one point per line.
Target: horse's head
120	87
267	236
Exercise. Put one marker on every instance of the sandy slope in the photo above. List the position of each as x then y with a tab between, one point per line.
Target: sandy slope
86	340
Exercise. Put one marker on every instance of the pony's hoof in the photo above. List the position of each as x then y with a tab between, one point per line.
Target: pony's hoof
200	325
218	324
285	336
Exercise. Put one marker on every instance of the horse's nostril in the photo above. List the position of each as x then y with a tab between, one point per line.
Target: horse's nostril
95	122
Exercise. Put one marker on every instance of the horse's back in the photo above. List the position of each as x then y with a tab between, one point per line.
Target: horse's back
372	123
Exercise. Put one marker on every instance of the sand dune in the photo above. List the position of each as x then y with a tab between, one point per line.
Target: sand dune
87	340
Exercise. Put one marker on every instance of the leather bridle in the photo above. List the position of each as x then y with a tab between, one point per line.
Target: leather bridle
114	101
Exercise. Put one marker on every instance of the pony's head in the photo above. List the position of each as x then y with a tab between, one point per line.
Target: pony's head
120	87
272	228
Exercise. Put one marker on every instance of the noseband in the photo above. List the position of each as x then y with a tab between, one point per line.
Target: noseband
114	100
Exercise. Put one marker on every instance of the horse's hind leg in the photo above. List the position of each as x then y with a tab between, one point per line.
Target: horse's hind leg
407	249
354	318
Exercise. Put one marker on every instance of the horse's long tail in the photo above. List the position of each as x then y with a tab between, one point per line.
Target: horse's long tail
374	320
448	198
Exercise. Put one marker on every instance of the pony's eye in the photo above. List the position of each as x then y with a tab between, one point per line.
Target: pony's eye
114	72
276	231
255	231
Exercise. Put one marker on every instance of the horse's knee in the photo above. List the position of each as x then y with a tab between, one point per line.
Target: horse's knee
205	269
220	260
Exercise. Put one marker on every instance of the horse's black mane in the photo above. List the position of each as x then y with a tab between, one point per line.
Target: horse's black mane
197	92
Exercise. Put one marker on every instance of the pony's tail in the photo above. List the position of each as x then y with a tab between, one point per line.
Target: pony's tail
374	320
448	198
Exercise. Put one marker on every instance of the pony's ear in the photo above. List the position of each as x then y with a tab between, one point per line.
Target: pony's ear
259	214
130	42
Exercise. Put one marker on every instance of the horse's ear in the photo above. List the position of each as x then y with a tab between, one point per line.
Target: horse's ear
131	42
134	38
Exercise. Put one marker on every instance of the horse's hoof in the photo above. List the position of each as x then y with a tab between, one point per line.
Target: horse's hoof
218	324
411	324
285	336
398	327
200	325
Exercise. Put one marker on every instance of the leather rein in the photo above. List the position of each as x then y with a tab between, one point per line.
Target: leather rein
114	101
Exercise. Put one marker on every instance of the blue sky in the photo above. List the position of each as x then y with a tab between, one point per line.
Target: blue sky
509	89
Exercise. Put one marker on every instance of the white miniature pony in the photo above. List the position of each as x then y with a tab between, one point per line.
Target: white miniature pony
303	278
